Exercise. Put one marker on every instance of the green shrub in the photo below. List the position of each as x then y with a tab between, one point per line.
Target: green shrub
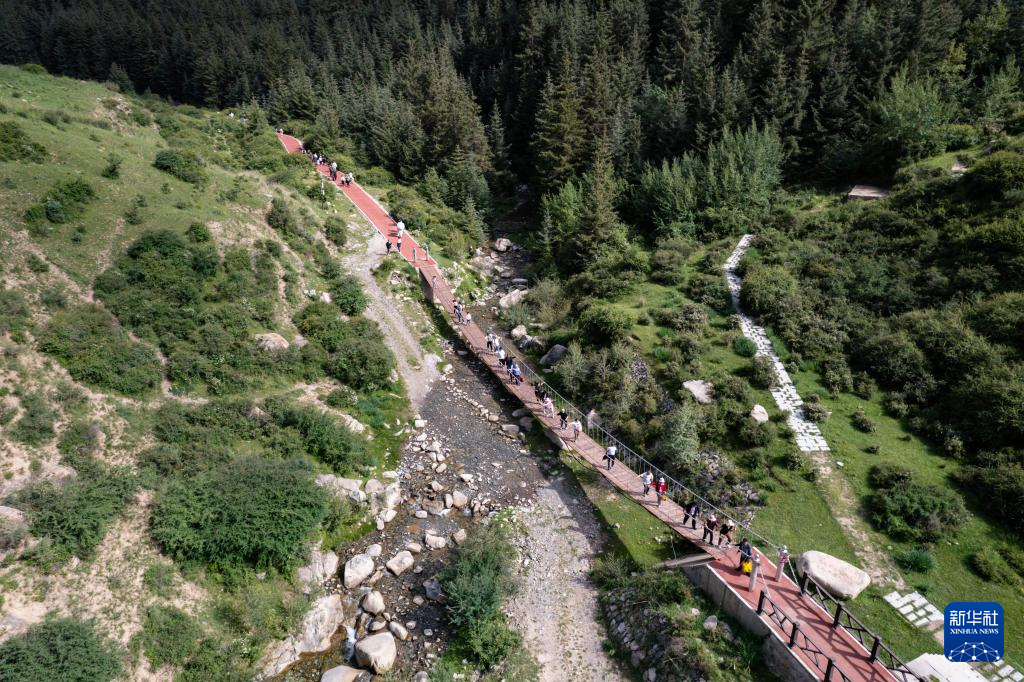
990	565
889	475
997	174
757	435
78	444
602	324
321	435
76	515
184	165
362	362
688	318
710	290
159	578
491	641
336	230
762	372
35	426
917	512
14	311
112	170
917	560
347	294
862	422
480	579
16	145
97	351
141	117
198	233
744	347
959	136
249	512
65	650
65	202
169	635
281	218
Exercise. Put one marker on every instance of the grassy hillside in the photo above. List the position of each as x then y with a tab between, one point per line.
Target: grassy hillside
147	434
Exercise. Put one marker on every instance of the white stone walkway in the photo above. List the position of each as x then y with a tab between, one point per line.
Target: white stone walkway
1000	672
808	435
916	609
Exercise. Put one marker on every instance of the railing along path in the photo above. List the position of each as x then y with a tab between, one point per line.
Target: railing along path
819	629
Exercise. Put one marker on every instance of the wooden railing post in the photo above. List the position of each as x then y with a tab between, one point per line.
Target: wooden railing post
760	602
839	614
828	671
792	635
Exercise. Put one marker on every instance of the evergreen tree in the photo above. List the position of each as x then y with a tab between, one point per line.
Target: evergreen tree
558	138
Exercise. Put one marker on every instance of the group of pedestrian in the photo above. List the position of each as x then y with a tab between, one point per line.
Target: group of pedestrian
463	316
318	159
660	487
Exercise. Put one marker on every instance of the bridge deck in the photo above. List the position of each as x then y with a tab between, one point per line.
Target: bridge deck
850	657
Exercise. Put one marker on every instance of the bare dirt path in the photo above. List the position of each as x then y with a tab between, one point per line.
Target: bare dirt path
417	367
556	607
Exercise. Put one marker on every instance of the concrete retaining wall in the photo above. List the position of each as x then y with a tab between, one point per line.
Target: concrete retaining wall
777	655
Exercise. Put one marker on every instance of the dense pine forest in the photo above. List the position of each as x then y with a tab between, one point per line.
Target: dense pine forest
539	88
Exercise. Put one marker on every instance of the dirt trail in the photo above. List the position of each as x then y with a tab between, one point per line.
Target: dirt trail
842	501
556	607
417	367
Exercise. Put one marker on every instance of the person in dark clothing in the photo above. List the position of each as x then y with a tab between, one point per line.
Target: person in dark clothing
746	552
563	418
692	514
710	526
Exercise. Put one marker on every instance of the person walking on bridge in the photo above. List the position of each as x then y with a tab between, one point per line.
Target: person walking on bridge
746	555
728	526
647	478
660	489
401	228
692	514
563	419
710	526
577	426
609	455
549	407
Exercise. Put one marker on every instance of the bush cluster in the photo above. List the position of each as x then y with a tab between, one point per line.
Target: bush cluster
247	513
16	145
182	164
65	201
63	649
908	510
94	348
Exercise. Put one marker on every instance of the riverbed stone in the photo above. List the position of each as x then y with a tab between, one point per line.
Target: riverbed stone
759	414
318	626
373	602
343	673
357	569
554	355
702	391
377	652
401	562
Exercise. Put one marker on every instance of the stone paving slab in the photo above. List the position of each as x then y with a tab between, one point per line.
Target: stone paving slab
808	435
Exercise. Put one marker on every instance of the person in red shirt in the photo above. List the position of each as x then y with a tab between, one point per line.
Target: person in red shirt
659	488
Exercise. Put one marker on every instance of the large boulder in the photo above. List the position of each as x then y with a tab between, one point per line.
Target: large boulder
842	580
319	625
401	562
759	414
271	342
502	244
512	298
703	391
357	569
518	332
377	652
554	355
373	602
321	566
343	673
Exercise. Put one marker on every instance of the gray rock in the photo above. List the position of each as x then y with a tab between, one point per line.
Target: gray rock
322	565
459	499
711	623
459	536
373	602
343	673
357	569
502	244
554	355
840	579
434	541
432	589
373	550
518	332
414	547
401	562
320	623
512	298
511	429
759	414
271	342
702	391
377	652
398	630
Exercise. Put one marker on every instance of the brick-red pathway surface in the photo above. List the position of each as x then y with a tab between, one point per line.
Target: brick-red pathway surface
850	657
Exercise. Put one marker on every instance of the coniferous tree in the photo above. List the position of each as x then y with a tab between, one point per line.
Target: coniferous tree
558	137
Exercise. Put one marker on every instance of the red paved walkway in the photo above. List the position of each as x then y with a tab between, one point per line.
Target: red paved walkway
850	657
